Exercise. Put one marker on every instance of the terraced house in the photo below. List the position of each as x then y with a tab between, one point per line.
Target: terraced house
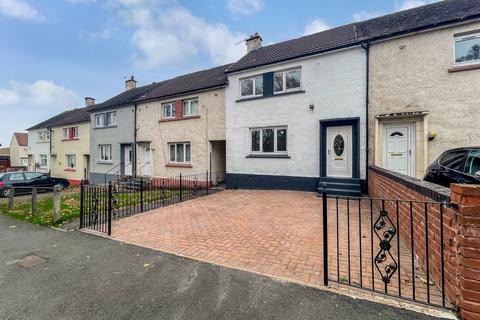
160	130
60	145
19	150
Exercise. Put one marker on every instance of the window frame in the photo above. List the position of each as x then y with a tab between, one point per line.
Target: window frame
284	79
43	157
463	37
173	110
74	161
254	81
275	141
100	147
184	146
112	115
189	105
102	123
43	135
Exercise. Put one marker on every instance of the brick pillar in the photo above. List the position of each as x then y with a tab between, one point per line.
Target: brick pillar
467	197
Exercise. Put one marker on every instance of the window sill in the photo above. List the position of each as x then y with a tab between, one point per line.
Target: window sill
178	165
105	162
271	96
464	68
75	139
70	169
179	119
268	156
99	128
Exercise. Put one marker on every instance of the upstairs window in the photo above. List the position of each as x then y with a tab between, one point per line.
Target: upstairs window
111	119
70	133
269	140
287	80
43	136
169	110
190	107
251	87
467	49
108	119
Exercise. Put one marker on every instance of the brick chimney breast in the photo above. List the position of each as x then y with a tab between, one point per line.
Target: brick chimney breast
253	42
130	84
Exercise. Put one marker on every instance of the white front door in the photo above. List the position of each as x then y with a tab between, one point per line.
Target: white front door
339	151
127	160
146	161
398	148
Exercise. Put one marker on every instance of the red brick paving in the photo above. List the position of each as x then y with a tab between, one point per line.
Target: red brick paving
276	233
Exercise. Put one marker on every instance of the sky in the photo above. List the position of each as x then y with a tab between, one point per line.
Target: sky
53	53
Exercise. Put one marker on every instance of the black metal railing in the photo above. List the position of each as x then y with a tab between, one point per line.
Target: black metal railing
391	246
99	205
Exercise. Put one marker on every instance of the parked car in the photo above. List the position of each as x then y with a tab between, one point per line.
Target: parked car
460	165
23	182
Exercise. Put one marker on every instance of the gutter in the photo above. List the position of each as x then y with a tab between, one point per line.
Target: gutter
366	47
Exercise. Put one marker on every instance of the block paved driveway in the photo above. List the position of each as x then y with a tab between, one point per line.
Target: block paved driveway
274	233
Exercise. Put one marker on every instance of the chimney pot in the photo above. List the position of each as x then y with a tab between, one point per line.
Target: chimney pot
89	101
253	42
130	84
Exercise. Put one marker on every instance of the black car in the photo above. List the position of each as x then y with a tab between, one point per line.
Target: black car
25	181
460	165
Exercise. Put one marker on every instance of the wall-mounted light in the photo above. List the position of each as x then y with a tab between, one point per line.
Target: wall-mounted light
311	107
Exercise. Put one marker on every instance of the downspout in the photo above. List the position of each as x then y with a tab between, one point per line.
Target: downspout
134	161
366	47
50	150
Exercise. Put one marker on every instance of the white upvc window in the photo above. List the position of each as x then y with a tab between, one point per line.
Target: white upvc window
190	107
268	140
251	87
43	135
43	161
169	110
180	152
71	161
100	120
105	152
111	119
66	133
288	80
467	49
75	133
24	162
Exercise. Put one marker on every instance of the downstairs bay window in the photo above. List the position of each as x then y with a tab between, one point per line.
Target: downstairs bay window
271	140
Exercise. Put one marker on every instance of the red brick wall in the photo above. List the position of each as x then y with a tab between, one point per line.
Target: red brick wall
461	233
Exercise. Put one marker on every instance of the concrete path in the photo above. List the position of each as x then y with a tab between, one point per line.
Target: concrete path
88	277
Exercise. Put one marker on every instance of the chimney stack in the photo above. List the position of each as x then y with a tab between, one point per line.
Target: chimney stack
130	84
89	101
253	42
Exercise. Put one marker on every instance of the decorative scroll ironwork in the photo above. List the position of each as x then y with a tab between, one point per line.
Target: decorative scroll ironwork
384	260
162	192
195	187
94	211
115	204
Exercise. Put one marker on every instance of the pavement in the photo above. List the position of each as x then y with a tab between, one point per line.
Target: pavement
82	276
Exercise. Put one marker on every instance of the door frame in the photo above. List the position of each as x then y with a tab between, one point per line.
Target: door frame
411	171
355	124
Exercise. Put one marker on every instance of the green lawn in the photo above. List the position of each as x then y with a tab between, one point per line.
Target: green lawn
70	206
22	209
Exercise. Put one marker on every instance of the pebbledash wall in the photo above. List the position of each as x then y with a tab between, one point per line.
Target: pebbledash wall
461	232
334	83
80	147
120	134
416	73
35	149
200	130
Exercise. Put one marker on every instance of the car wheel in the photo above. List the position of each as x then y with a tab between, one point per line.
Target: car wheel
6	193
59	186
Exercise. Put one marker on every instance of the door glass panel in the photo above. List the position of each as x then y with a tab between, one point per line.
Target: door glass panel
338	145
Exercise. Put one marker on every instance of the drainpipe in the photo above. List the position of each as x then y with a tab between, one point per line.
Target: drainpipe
49	129
366	47
134	161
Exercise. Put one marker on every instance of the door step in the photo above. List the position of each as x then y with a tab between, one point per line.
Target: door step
340	186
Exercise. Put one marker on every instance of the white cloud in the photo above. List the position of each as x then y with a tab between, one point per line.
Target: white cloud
315	26
19	9
166	34
244	7
38	94
365	15
409	4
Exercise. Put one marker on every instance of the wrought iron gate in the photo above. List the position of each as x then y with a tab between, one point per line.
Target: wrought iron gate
392	246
